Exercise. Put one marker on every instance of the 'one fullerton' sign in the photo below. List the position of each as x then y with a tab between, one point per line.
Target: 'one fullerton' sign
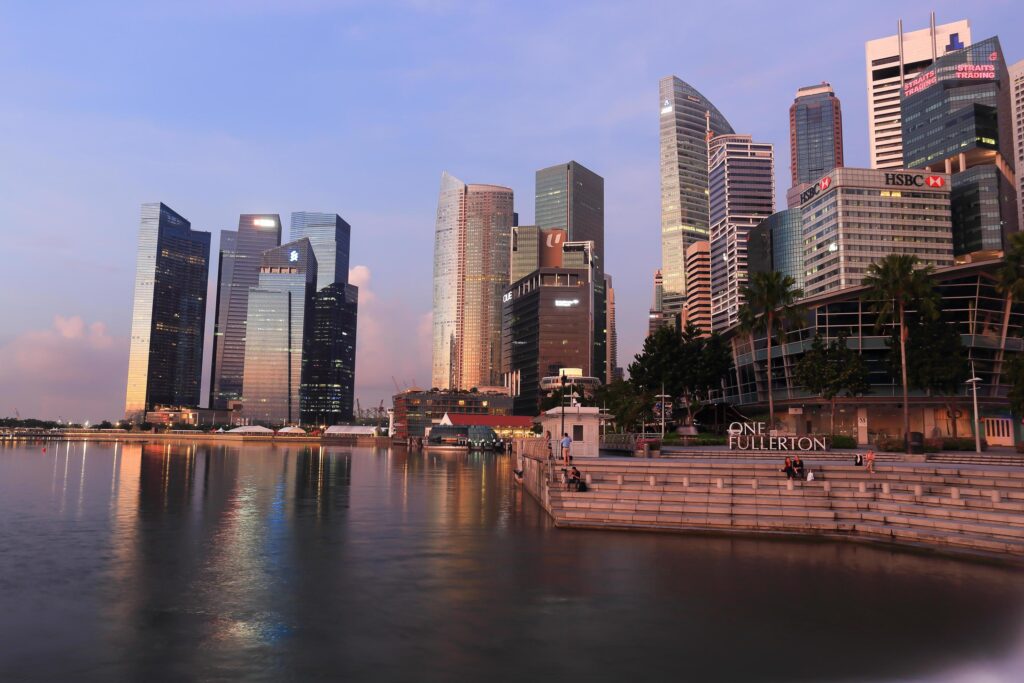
752	436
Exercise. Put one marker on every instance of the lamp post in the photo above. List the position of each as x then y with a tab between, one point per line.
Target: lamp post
973	381
661	397
561	408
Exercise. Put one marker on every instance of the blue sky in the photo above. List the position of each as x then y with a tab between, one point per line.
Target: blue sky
221	108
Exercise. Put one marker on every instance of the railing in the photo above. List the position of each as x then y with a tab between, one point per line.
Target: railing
618	442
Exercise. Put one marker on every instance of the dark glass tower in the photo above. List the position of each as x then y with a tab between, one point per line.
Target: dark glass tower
957	119
328	373
777	244
165	360
571	197
329	364
330	236
815	133
241	252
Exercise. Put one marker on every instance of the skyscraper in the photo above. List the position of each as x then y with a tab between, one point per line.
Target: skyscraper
891	62
276	340
1017	103
571	197
741	187
815	133
686	116
328	373
331	237
697	310
165	361
611	334
471	269
777	244
241	253
957	119
656	316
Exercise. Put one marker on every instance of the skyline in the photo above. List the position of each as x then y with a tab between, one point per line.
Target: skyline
102	135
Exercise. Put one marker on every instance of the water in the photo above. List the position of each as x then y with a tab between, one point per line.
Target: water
289	563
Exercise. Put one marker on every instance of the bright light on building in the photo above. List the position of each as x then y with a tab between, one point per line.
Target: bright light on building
565	303
264	222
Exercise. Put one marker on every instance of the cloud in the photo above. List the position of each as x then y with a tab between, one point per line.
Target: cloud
72	369
392	341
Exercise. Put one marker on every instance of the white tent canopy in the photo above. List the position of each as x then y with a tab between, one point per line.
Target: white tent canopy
291	430
338	430
251	429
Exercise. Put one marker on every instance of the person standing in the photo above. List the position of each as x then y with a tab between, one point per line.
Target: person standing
869	461
547	442
566	446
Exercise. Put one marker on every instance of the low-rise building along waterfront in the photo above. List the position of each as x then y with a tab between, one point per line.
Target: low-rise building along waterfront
416	410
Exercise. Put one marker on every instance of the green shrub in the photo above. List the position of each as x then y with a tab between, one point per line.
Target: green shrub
891	445
843	441
963	443
709	440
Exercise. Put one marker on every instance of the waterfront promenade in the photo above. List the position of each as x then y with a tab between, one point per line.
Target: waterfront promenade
969	509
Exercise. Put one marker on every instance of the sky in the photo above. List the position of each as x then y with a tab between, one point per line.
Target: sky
251	106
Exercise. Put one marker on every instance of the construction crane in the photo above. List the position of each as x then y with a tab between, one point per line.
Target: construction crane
395	382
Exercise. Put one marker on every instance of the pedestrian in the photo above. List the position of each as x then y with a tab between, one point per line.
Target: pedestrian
566	446
869	461
788	469
547	442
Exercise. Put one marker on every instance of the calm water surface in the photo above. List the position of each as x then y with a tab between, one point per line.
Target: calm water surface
291	563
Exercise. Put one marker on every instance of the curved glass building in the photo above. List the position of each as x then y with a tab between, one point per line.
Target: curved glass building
777	244
686	116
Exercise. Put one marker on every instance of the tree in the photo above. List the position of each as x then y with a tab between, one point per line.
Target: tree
897	284
1010	284
622	400
832	370
687	363
936	360
1015	377
769	306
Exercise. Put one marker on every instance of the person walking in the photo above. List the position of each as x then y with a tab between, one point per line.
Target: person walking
869	461
566	446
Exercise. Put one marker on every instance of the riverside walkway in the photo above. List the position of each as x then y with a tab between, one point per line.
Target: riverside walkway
972	509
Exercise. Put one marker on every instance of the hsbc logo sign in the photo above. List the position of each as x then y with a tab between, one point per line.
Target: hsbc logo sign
813	191
914	180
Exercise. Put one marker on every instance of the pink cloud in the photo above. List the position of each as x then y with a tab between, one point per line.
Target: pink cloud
73	370
386	345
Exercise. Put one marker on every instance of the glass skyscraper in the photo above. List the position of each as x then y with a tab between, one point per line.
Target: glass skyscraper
276	340
685	118
571	197
815	133
472	246
165	359
777	244
957	119
331	237
241	253
328	374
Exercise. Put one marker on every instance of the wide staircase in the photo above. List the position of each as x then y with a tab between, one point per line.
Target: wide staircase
969	509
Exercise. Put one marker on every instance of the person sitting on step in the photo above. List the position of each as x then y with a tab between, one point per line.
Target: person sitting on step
798	468
788	468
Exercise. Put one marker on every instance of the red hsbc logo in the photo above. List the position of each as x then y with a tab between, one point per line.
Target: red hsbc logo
935	181
824	183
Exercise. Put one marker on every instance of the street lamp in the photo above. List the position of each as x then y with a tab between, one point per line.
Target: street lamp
561	407
973	381
661	397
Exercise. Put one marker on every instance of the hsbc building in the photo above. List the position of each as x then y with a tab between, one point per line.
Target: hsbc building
853	217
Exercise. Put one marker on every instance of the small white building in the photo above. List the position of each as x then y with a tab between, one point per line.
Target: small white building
583	425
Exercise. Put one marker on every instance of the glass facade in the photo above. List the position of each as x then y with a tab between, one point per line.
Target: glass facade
276	340
328	373
168	313
969	301
415	411
741	191
685	117
957	119
472	247
331	237
777	244
241	253
815	133
571	197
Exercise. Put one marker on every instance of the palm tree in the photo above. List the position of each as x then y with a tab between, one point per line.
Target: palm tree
1009	283
769	305
896	283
